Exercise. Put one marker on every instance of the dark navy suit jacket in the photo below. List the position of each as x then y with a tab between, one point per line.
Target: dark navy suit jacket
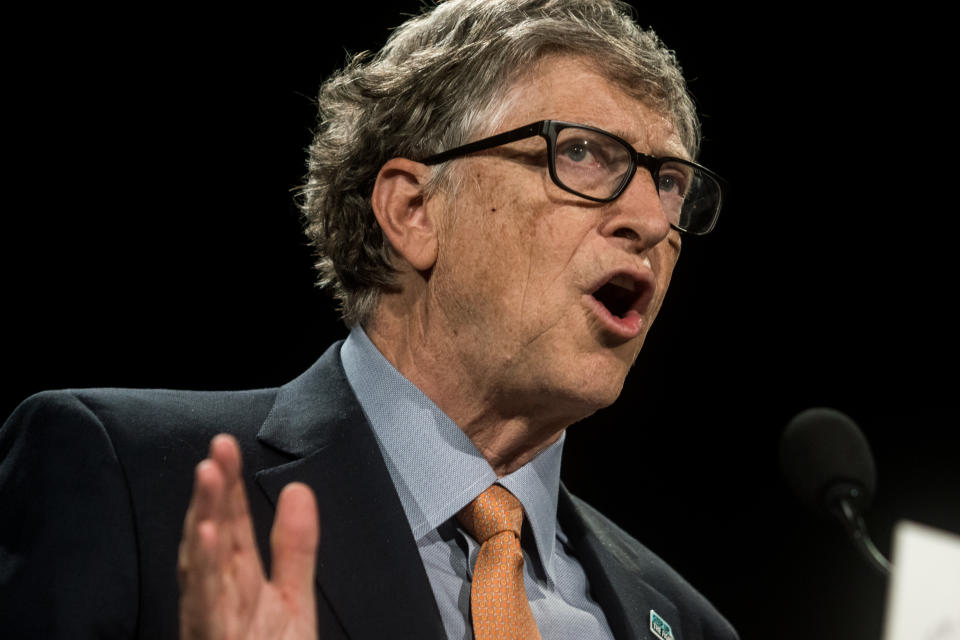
94	485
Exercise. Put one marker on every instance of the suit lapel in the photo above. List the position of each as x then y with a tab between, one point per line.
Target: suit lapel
615	573
368	565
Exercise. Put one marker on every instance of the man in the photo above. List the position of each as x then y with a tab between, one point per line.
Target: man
497	199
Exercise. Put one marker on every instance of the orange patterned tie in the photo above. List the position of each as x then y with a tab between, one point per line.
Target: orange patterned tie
498	600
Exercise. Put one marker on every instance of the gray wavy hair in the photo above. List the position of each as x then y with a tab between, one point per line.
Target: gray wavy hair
436	84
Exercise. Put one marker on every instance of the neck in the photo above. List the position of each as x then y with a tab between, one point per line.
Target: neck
508	426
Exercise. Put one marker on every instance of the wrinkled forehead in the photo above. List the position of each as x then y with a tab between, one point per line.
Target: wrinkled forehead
577	89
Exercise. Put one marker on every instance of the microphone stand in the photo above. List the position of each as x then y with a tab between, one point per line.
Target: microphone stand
844	501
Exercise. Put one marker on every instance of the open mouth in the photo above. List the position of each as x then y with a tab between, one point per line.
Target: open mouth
621	294
621	301
618	295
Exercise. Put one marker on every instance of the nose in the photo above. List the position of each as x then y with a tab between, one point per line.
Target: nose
636	219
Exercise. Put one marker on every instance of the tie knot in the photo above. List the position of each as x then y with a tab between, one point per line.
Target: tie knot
494	511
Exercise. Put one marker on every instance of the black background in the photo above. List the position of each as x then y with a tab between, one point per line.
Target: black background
149	239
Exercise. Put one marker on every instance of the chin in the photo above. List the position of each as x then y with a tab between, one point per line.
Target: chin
603	398
603	382
593	389
576	407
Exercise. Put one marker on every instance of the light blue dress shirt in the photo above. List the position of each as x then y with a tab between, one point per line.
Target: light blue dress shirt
437	470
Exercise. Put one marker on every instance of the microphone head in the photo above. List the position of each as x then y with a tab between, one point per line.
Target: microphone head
822	449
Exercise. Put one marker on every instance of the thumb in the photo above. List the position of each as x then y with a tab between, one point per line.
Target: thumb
293	542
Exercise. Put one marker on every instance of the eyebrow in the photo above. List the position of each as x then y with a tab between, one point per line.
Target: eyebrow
620	133
661	152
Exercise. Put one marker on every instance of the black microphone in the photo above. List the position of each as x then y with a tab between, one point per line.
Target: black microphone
827	462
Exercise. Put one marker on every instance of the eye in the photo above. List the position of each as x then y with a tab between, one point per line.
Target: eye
576	152
581	151
673	181
670	184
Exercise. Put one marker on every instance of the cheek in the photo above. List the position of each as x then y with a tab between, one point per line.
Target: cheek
669	251
516	249
549	265
483	263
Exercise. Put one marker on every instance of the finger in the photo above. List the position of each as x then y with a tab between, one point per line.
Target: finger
201	500
225	451
209	486
199	556
205	507
293	543
237	541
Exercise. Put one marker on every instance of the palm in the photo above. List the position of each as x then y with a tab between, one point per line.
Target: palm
224	593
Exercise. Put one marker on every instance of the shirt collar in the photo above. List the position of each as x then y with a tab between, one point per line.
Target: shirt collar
434	466
537	486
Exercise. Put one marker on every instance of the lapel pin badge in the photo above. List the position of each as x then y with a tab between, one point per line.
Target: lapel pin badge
659	626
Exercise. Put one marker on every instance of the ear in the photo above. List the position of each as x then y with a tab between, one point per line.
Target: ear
400	209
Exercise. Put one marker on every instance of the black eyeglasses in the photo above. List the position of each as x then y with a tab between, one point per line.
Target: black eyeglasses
598	166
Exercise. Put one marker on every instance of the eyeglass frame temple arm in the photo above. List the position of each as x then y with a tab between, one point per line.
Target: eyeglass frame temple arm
526	131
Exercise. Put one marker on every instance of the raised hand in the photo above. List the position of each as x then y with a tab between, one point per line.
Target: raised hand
223	590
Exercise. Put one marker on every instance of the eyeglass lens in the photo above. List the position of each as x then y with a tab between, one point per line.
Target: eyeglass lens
597	166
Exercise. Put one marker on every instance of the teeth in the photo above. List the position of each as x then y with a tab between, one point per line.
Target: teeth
624	282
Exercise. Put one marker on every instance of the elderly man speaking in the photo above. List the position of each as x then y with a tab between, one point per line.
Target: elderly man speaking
497	199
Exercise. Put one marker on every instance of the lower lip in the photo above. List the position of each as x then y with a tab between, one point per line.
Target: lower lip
627	327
